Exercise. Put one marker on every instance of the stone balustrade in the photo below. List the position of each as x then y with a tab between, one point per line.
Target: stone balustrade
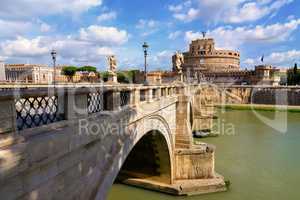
25	108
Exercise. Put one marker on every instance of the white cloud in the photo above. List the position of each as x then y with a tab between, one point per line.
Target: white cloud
33	8
191	15
250	62
285	58
10	28
176	8
230	11
162	59
107	16
174	35
148	27
23	47
142	24
104	35
89	46
44	27
228	37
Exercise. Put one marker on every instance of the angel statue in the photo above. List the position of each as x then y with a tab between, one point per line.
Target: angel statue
178	61
112	62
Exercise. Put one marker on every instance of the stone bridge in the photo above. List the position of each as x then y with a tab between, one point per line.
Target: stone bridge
69	142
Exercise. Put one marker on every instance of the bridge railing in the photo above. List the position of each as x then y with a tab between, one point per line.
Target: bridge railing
27	108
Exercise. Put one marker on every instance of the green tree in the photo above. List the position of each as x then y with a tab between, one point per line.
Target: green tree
123	77
104	76
293	76
87	69
295	68
69	71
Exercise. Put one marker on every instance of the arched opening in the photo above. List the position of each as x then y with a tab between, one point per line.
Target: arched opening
148	160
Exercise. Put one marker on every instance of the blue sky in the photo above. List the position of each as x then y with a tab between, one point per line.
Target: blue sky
84	32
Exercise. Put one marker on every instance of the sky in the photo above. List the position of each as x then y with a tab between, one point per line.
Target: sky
85	32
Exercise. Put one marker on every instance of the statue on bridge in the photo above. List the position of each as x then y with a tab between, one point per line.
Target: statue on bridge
112	68
178	61
112	62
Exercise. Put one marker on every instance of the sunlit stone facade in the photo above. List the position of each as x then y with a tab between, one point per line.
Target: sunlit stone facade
28	73
2	71
204	57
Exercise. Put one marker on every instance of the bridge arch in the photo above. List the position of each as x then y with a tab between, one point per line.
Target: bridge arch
151	131
149	160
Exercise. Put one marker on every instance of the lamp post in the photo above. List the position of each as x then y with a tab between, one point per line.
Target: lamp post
145	47
53	54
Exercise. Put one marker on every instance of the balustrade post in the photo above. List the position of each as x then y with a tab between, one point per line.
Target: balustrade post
135	99
76	104
158	93
8	116
149	95
113	100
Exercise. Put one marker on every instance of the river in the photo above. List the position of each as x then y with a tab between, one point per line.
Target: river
261	163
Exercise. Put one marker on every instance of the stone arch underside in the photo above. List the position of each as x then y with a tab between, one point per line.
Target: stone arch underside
153	130
148	160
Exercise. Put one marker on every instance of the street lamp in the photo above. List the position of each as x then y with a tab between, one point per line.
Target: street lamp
53	54
145	47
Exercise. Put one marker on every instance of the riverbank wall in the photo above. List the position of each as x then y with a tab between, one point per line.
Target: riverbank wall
264	95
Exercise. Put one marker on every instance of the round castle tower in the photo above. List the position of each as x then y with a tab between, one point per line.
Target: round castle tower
203	57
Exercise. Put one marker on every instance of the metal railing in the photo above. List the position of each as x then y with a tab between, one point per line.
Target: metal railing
36	111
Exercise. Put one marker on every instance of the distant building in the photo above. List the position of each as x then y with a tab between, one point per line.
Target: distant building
29	73
2	71
203	57
261	75
266	75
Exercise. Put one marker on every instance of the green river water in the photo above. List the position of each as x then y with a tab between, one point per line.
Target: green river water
260	162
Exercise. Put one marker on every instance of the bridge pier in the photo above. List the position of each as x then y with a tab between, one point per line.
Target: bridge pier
193	170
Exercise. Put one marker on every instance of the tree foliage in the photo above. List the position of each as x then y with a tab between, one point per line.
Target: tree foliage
293	77
123	76
87	69
69	71
104	76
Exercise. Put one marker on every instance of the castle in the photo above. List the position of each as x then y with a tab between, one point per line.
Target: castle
203	57
204	62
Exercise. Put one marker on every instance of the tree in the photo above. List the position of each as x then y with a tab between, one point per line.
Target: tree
293	76
295	69
69	71
87	69
104	76
296	74
122	77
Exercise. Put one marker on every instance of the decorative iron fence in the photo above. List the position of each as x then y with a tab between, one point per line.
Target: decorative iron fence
154	94
142	95
124	98
95	102
36	111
